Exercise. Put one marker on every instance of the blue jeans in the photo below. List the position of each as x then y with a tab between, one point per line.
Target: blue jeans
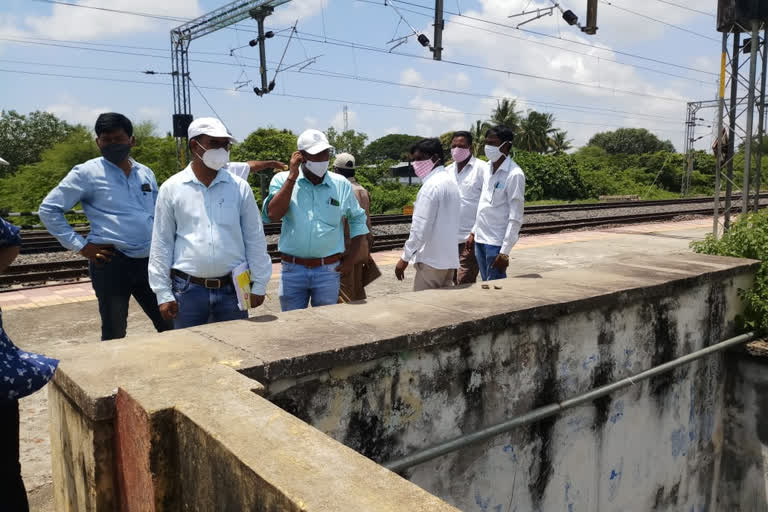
114	283
485	255
299	285
200	305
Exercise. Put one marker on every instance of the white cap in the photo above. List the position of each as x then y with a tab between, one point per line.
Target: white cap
313	142
209	126
344	161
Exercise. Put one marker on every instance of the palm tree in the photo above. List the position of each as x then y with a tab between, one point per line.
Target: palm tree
535	132
478	136
559	143
506	114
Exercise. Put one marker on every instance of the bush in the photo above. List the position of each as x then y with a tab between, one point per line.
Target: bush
747	238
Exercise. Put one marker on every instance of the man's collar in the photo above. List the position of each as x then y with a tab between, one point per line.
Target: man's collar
221	176
432	173
134	164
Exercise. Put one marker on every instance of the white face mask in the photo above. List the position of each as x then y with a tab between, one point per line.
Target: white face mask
493	152
214	158
317	168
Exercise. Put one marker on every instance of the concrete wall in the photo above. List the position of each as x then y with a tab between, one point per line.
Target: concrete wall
744	474
255	415
656	446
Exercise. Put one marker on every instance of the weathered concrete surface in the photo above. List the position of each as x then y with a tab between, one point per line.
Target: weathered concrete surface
744	473
451	362
193	434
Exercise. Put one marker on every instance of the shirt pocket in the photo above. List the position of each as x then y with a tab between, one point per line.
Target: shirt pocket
497	193
330	215
226	213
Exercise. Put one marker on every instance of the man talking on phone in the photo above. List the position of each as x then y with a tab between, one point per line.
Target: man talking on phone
312	203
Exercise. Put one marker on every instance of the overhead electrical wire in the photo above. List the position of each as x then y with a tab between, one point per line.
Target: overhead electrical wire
297	96
179	19
666	23
339	42
329	74
508	72
560	48
543	34
685	7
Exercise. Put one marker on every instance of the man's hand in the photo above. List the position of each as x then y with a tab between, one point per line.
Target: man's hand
261	165
97	255
470	243
169	310
501	263
400	269
346	266
256	300
296	161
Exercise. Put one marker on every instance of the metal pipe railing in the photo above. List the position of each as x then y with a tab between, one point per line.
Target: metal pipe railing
553	409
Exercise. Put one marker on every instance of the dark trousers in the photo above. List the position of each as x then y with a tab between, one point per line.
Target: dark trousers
468	269
114	283
13	496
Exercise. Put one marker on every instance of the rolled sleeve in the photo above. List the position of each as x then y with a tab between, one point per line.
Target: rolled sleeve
274	187
516	187
161	251
358	220
59	200
259	262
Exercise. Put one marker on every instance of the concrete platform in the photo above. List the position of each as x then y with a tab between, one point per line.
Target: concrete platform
48	319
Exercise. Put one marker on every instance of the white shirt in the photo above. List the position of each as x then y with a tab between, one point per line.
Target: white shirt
500	212
206	232
239	169
470	182
435	222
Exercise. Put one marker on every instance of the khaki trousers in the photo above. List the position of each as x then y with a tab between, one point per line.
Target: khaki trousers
430	278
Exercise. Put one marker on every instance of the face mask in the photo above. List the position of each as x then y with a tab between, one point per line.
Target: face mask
422	167
460	154
214	158
116	153
493	152
317	168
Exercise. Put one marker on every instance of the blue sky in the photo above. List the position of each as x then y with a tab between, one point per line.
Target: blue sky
33	35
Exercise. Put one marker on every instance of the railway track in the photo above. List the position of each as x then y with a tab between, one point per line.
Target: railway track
40	241
75	269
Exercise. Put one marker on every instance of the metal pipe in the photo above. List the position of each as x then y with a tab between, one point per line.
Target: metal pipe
753	44
720	149
554	409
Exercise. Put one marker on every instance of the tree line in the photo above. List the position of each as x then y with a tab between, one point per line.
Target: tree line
42	149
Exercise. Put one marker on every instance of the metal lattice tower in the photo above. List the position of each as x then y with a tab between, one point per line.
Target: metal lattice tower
690	139
743	53
346	118
182	36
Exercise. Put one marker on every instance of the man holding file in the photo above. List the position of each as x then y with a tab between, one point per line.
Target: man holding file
207	224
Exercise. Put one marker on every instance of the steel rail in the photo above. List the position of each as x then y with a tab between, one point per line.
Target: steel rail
548	411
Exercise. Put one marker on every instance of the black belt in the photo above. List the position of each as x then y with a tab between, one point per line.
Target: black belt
212	283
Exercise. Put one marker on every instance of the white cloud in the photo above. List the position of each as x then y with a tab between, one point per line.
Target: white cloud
301	10
437	118
69	109
67	22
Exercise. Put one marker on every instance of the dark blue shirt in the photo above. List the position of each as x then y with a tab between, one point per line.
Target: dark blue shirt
21	373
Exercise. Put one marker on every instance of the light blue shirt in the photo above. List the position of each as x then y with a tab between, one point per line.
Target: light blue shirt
313	226
206	232
119	208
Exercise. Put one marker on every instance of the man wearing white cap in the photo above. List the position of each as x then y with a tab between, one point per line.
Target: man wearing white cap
311	203
206	223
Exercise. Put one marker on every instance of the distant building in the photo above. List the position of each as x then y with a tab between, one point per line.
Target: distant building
403	172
